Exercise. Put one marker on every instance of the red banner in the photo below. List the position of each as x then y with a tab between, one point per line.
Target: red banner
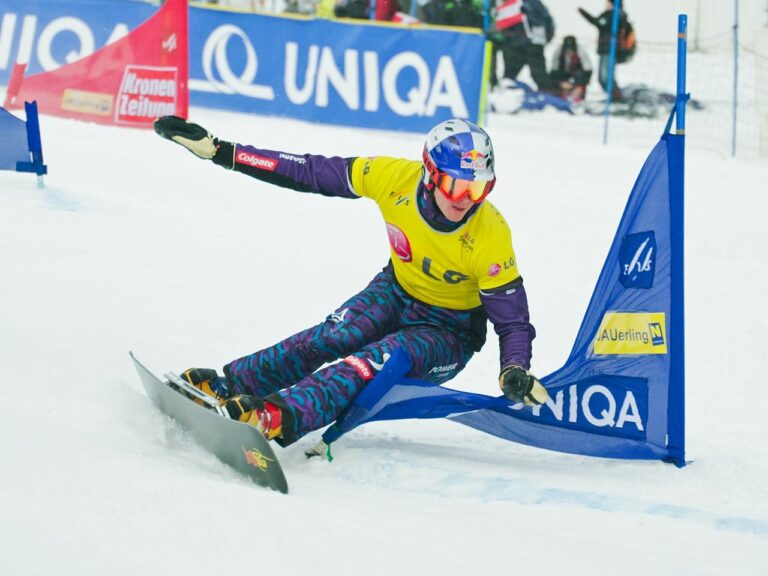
128	83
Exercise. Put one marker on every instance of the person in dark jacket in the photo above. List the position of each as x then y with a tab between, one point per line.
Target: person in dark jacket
604	24
571	70
522	29
361	9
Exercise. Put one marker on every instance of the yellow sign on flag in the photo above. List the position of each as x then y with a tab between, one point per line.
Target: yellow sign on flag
632	333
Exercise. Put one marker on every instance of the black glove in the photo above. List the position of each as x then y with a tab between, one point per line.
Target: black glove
196	139
520	386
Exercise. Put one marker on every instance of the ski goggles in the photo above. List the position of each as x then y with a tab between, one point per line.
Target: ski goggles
456	189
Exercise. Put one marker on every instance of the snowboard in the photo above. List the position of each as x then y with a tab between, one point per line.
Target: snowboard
237	444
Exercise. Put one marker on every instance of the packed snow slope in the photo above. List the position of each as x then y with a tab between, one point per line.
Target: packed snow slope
134	244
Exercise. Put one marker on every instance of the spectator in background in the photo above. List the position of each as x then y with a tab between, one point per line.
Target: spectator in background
352	9
325	9
571	70
385	9
306	7
604	24
522	29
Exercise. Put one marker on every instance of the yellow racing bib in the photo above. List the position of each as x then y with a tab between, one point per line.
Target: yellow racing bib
446	269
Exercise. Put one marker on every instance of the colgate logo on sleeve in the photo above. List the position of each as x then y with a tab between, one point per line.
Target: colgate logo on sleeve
261	162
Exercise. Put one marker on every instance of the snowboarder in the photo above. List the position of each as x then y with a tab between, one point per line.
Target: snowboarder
452	268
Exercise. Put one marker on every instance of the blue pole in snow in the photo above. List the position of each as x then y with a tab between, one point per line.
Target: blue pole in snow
34	145
611	64
682	53
676	151
735	74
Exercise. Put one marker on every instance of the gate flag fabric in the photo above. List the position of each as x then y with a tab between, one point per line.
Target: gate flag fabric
13	134
620	393
128	83
22	148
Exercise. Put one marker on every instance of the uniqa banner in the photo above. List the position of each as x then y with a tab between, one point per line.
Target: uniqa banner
379	76
339	72
620	393
47	34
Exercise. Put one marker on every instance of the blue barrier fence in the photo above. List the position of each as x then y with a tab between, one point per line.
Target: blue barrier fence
356	74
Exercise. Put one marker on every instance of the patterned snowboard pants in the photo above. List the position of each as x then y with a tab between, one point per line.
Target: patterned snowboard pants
363	331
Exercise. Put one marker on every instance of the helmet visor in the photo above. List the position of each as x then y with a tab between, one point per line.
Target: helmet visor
456	189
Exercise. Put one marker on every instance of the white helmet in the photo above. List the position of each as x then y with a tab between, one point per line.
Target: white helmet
458	159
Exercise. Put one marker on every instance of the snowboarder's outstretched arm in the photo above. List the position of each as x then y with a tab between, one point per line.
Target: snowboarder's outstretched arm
306	173
591	19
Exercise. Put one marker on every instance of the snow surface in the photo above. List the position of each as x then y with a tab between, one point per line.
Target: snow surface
134	244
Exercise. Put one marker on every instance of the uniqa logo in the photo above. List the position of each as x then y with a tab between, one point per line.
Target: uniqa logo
619	408
215	52
361	73
67	25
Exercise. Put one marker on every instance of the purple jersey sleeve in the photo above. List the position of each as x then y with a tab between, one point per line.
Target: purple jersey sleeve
305	173
507	309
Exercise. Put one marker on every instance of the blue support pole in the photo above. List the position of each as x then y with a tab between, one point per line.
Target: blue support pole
682	54
676	152
373	10
735	74
34	145
611	65
486	14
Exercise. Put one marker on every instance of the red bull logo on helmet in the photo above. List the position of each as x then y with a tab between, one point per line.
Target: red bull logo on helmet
474	160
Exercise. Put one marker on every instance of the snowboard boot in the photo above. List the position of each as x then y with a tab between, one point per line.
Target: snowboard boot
209	382
264	416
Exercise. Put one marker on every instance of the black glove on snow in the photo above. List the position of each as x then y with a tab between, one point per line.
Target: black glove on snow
520	386
196	139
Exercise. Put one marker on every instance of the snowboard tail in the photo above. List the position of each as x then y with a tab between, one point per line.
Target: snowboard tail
235	443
